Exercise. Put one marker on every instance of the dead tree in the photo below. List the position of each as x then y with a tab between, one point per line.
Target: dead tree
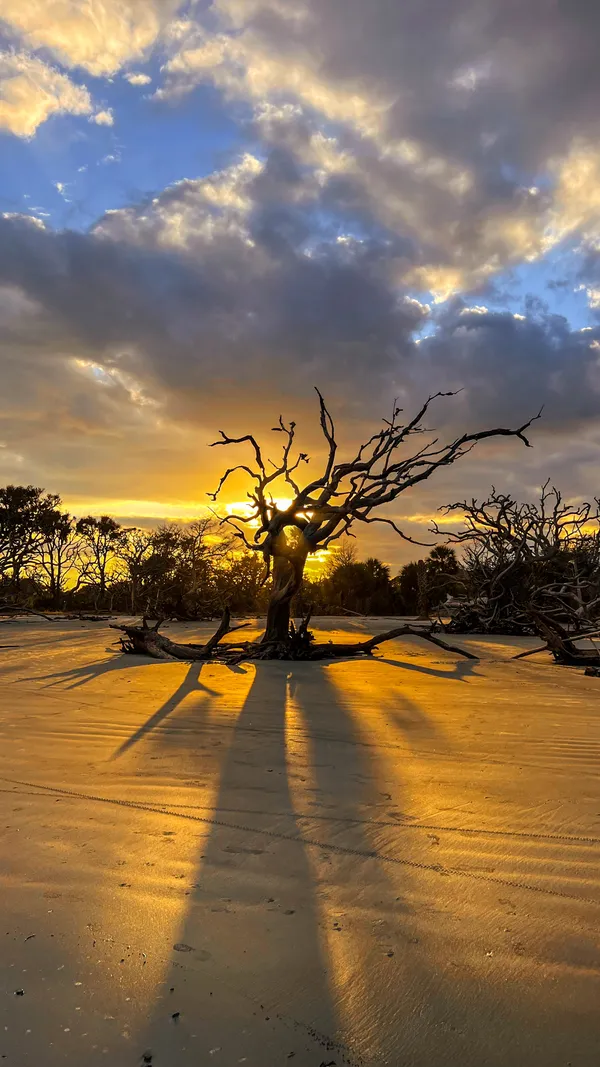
344	494
527	561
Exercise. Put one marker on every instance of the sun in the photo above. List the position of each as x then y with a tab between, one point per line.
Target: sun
245	507
315	561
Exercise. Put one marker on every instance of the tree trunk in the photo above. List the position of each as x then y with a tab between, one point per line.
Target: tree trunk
422	596
287	580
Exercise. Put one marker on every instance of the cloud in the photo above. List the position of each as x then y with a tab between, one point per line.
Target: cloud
223	301
509	366
31	91
61	189
103	118
241	284
100	36
137	79
210	284
473	129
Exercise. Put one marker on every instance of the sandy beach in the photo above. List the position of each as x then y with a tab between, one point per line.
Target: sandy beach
385	861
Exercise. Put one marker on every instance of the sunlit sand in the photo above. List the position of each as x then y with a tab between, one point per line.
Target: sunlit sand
392	861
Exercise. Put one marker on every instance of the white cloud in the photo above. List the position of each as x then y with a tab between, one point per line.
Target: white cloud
23	218
103	118
31	91
137	79
61	188
99	35
191	211
593	296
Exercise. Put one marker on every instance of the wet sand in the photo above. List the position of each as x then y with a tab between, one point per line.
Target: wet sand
387	861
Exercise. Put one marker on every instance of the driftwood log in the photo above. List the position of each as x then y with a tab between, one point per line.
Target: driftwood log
148	641
12	610
561	644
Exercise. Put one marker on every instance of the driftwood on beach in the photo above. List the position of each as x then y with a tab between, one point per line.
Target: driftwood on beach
149	641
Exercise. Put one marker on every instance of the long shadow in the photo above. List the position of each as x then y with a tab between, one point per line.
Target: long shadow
399	995
316	937
365	905
88	672
190	684
390	992
249	959
462	670
303	936
272	930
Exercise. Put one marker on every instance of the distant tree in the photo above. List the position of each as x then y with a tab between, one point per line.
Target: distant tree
424	584
240	583
361	587
24	511
101	542
340	555
407	588
57	556
135	552
442	576
172	571
199	554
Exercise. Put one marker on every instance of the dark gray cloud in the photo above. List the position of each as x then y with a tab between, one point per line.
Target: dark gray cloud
498	82
241	304
509	366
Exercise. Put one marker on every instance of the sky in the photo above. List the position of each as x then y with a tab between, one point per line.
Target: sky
209	208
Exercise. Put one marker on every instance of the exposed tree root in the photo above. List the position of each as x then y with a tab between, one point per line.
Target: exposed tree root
300	645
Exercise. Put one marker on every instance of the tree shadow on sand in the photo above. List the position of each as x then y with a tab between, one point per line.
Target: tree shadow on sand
75	677
461	671
248	969
299	918
190	684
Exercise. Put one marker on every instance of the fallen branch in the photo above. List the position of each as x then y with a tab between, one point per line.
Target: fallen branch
532	652
560	646
80	617
23	611
357	648
146	640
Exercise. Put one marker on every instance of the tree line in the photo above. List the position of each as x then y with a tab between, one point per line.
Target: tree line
50	560
516	560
